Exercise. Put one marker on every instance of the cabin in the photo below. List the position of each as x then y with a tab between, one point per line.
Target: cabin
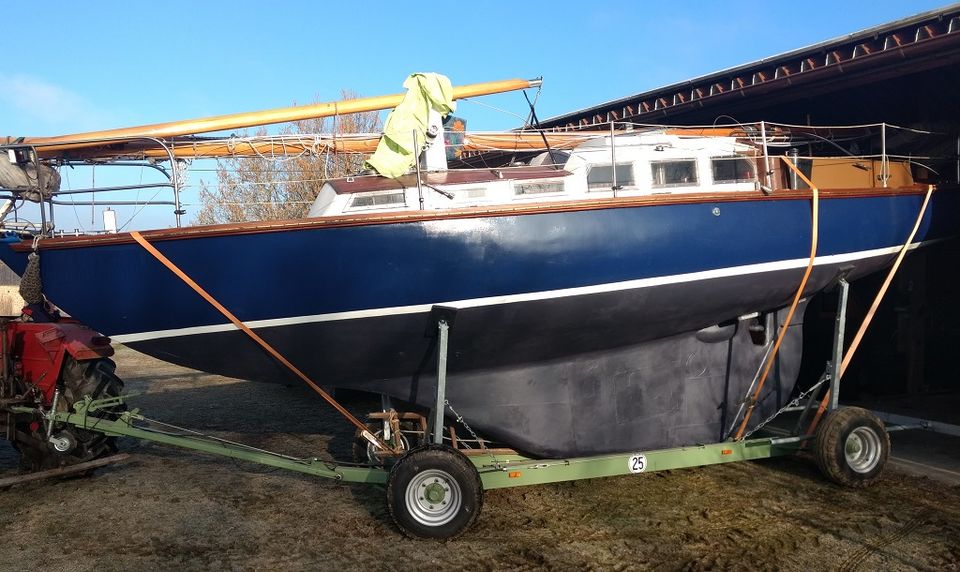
654	162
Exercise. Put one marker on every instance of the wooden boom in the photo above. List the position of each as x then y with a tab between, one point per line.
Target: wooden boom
256	118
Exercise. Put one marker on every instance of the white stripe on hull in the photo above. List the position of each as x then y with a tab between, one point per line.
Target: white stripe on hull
525	297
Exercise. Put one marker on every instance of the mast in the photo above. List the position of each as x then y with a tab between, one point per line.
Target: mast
257	118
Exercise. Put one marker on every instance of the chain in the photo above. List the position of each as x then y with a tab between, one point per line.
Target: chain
792	403
462	421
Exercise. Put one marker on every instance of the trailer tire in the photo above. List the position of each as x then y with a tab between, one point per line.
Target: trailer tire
79	379
852	447
434	492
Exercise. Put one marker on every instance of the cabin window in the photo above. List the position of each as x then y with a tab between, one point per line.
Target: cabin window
541	188
377	200
470	194
679	173
733	170
600	177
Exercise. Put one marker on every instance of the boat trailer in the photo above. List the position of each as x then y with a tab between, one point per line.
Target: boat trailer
435	482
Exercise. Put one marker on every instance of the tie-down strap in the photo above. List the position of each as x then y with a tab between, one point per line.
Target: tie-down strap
255	337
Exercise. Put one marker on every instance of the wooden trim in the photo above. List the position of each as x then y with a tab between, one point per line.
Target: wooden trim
513	209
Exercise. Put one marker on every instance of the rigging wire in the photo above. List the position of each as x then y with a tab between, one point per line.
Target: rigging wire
138	211
536	122
76	213
494	108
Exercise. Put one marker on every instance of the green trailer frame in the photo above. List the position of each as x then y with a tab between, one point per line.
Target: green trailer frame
496	470
435	491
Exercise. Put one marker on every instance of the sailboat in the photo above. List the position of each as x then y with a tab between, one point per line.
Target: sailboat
612	291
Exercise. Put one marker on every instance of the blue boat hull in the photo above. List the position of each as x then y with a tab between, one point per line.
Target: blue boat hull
575	328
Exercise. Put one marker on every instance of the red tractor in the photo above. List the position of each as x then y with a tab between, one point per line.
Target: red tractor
49	363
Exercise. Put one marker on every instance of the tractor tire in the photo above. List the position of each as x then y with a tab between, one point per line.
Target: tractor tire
79	379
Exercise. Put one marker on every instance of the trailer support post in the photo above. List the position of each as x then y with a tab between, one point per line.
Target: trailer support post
441	320
838	331
443	334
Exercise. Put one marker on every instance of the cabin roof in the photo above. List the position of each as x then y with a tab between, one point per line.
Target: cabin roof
367	183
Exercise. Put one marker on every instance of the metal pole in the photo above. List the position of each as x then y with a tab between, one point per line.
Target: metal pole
766	157
53	407
175	180
883	156
613	160
838	330
386	404
111	203
794	154
746	395
43	218
444	333
416	161
108	189
118	164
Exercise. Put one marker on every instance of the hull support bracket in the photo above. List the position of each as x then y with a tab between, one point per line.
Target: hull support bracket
442	317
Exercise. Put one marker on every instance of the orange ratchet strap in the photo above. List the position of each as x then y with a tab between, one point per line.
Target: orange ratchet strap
771	359
873	310
253	335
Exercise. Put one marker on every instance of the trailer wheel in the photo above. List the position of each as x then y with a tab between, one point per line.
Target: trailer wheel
852	447
434	492
79	379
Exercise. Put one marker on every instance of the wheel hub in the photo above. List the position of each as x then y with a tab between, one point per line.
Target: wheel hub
435	492
63	442
433	497
862	449
854	445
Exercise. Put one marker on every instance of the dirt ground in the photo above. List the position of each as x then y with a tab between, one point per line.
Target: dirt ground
170	509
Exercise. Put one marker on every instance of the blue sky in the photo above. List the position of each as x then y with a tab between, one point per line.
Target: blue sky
94	65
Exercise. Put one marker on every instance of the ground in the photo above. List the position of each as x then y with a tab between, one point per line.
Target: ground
169	509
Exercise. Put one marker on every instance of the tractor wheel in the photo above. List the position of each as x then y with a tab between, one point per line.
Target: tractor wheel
434	492
852	447
79	379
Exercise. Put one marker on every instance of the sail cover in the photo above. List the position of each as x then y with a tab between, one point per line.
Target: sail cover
395	153
23	178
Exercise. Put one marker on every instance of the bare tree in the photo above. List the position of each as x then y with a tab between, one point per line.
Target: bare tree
265	188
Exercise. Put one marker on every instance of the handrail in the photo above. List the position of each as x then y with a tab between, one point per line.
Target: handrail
172	176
